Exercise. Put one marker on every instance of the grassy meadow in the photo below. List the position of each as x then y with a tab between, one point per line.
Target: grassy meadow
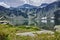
7	32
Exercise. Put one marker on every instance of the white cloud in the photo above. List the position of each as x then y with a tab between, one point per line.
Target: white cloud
15	3
38	2
5	5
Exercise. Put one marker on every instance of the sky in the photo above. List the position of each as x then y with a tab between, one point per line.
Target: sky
15	3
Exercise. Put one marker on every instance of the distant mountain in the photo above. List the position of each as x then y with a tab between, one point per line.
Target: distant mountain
25	11
43	5
53	5
2	8
11	8
50	9
27	6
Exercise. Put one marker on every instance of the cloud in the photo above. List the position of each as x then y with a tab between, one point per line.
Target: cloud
5	5
39	2
15	3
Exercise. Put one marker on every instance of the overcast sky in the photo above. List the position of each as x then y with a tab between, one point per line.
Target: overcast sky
15	3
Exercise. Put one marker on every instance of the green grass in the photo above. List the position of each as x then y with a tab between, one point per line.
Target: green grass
7	32
56	36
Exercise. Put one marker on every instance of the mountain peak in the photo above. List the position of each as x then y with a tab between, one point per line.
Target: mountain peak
4	5
43	5
27	6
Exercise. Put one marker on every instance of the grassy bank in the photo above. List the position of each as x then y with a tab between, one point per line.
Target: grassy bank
56	36
7	32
